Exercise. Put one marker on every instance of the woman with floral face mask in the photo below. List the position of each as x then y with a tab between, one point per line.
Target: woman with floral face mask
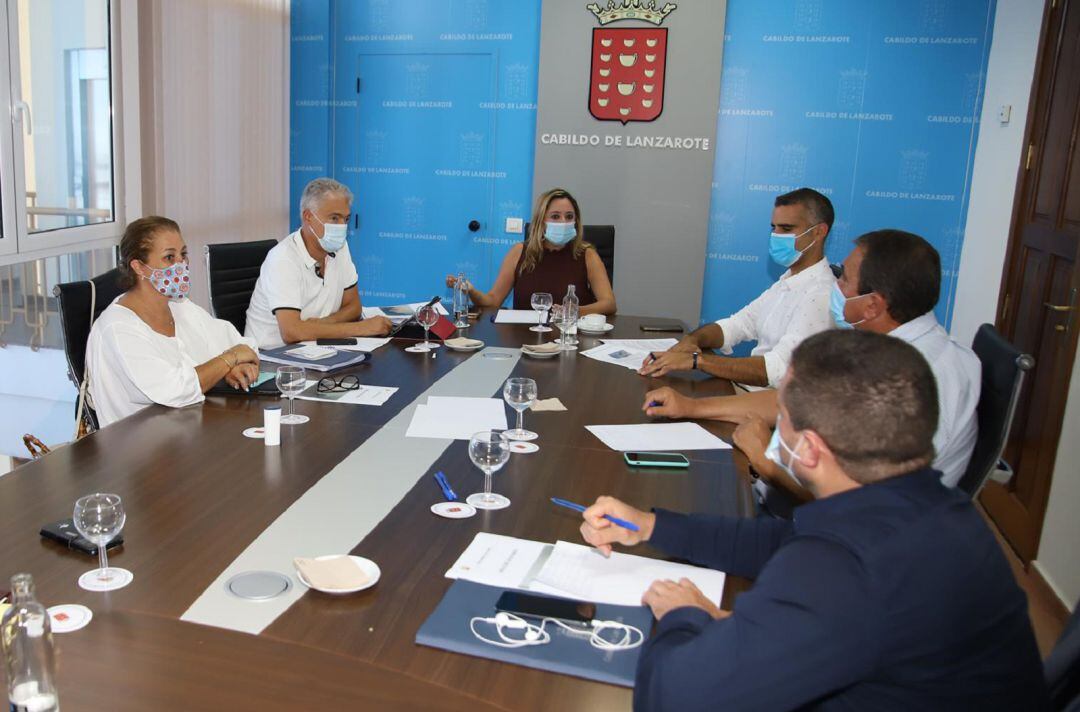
153	345
554	256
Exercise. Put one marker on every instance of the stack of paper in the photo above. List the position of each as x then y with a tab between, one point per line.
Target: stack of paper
657	437
573	570
517	316
628	353
364	395
453	418
363	343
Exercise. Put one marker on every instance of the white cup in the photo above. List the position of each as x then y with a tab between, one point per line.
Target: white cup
593	321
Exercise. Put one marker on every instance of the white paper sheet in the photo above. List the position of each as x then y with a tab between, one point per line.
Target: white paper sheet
497	560
517	316
648	345
455	418
364	395
618	354
657	437
363	343
582	572
396	314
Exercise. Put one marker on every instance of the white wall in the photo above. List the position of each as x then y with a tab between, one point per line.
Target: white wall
216	114
993	190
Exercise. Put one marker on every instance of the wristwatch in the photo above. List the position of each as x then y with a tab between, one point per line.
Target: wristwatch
696	353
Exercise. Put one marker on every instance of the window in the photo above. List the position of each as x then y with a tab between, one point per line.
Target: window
60	166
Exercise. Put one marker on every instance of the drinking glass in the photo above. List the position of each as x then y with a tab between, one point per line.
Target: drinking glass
426	317
566	323
489	450
291	380
99	518
541	302
519	394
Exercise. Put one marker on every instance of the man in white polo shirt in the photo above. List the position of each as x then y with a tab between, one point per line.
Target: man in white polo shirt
889	285
307	284
795	307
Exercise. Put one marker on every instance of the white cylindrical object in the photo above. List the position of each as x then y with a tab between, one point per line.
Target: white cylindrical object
272	425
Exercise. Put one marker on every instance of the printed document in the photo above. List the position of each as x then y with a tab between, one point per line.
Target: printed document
657	437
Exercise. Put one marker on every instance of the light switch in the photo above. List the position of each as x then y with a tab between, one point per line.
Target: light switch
1005	113
515	225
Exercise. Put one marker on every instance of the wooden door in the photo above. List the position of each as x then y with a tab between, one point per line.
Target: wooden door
1038	309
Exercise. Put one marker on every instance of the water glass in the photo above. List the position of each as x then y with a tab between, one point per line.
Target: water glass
291	381
427	316
489	450
99	518
541	302
519	394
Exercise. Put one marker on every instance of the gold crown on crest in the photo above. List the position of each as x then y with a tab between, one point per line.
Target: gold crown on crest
631	10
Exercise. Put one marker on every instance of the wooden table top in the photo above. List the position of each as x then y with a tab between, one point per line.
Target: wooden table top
197	493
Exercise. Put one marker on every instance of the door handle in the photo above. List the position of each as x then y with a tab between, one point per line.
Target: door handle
1061	309
1058	307
23	110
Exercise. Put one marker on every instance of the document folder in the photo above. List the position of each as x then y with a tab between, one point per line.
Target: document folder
447	628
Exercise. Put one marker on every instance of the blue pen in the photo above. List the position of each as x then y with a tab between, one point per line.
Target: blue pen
445	486
655	404
578	508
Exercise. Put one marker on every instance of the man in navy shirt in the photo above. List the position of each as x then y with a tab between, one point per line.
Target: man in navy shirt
886	592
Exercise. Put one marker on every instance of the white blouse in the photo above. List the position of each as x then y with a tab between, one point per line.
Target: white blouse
131	366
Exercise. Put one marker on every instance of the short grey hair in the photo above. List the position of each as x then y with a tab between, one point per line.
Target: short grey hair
320	188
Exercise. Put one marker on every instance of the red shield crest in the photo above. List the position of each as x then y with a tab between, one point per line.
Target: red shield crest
626	81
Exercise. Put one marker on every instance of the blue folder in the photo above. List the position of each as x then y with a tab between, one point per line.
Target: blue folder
447	628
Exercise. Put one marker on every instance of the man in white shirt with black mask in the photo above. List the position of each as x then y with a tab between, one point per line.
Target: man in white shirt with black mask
794	307
307	287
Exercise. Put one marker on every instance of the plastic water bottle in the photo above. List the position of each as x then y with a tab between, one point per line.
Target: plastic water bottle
571	312
28	651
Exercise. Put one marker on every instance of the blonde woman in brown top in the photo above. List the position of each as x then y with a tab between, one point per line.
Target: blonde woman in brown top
555	256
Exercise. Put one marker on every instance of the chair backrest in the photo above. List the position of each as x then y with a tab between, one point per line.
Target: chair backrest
602	237
232	269
1003	369
73	300
1061	668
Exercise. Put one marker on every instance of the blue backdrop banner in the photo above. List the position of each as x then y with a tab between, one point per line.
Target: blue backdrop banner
427	111
875	104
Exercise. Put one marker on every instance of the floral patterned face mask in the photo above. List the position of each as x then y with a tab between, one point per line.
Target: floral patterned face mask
173	281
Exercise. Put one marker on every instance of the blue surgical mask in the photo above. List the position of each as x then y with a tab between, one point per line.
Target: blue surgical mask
334	235
772	452
837	300
559	233
782	247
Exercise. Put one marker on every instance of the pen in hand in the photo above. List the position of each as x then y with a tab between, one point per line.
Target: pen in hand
579	508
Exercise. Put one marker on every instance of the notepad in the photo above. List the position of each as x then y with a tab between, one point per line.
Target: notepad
657	437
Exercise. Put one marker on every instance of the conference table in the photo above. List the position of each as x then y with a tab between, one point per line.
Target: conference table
198	494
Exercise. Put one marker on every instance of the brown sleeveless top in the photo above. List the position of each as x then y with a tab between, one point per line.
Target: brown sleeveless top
553	274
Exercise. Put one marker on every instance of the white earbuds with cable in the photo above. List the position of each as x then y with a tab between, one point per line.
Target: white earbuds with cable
534	634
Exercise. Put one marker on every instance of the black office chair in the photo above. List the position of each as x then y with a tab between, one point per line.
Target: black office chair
1061	668
1003	369
232	269
602	237
75	300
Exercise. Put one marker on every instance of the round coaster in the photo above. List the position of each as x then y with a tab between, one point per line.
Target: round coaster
255	433
523	447
117	578
480	501
518	436
453	510
419	349
68	617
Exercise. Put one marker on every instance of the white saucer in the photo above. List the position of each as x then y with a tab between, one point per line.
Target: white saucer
464	348
453	510
540	354
368	566
90	581
69	617
586	330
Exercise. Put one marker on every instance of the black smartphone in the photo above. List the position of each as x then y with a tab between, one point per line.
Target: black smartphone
335	342
575	613
663	327
64	532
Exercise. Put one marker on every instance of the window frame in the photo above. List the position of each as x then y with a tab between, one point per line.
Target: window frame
124	97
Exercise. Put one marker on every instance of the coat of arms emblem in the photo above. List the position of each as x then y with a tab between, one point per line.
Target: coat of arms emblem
626	79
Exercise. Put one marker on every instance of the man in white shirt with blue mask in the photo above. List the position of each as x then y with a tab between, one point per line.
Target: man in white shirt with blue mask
794	307
890	284
307	287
